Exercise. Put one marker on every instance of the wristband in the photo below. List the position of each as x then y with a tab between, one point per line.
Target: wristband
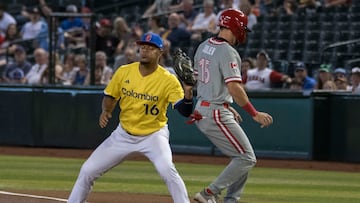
187	101
250	109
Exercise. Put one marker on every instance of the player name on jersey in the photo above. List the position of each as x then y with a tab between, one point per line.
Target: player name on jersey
209	50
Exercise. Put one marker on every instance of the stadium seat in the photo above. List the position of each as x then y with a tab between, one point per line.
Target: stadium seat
312	35
355	8
327	17
312	26
354	17
280	54
312	57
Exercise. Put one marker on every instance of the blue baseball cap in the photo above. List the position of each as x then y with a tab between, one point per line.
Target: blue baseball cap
152	39
340	70
300	65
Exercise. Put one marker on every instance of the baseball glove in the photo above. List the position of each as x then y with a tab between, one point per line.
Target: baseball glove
183	67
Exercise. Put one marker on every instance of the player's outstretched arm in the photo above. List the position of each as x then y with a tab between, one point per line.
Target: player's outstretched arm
240	97
108	105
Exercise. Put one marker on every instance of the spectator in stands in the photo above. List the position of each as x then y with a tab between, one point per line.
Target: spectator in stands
74	29
103	72
46	10
154	25
332	3
234	4
45	78
36	72
60	34
308	5
245	7
124	34
341	80
5	19
225	4
16	71
301	79
177	36
342	84
130	56
82	71
325	80
159	7
262	77
288	8
105	40
355	80
6	47
36	29
86	20
71	22
2	38
11	34
246	64
166	59
68	73
205	22
266	7
187	15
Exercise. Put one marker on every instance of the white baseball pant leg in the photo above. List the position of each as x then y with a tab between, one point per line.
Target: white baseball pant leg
113	151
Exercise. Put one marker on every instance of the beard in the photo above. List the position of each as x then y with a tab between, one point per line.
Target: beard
145	63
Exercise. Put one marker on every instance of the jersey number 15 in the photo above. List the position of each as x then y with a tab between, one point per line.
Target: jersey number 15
204	72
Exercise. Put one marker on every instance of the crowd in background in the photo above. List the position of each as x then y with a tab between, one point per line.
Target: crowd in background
24	43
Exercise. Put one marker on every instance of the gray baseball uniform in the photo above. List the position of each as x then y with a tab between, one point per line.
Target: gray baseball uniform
216	63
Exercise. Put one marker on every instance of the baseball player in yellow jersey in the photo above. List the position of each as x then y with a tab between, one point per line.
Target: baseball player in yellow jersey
144	90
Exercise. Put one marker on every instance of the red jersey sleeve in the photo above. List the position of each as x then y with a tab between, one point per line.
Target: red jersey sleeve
275	77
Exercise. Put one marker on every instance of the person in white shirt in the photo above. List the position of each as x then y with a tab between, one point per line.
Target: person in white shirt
252	19
355	80
36	28
5	19
262	77
103	72
205	22
35	75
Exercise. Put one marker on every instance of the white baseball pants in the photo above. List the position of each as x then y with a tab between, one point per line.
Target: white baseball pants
113	151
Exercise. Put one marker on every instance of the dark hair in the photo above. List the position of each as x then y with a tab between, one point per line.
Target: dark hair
7	36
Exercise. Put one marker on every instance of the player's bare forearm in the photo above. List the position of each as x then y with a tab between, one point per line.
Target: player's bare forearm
108	105
238	93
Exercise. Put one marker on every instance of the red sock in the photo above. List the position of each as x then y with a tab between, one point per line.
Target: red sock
208	191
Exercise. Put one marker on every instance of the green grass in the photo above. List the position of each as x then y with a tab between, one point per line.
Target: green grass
265	185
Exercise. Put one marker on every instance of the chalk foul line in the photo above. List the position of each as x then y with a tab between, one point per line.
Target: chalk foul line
32	196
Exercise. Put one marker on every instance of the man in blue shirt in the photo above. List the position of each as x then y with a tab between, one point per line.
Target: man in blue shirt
16	71
301	77
71	22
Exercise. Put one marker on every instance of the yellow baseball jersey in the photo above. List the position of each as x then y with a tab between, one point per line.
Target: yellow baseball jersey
143	100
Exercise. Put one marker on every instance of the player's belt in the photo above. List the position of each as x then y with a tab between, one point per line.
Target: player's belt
207	104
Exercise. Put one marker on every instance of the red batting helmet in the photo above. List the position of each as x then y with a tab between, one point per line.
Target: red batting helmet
236	21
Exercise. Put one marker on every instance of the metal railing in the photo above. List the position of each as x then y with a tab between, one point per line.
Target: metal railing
53	39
